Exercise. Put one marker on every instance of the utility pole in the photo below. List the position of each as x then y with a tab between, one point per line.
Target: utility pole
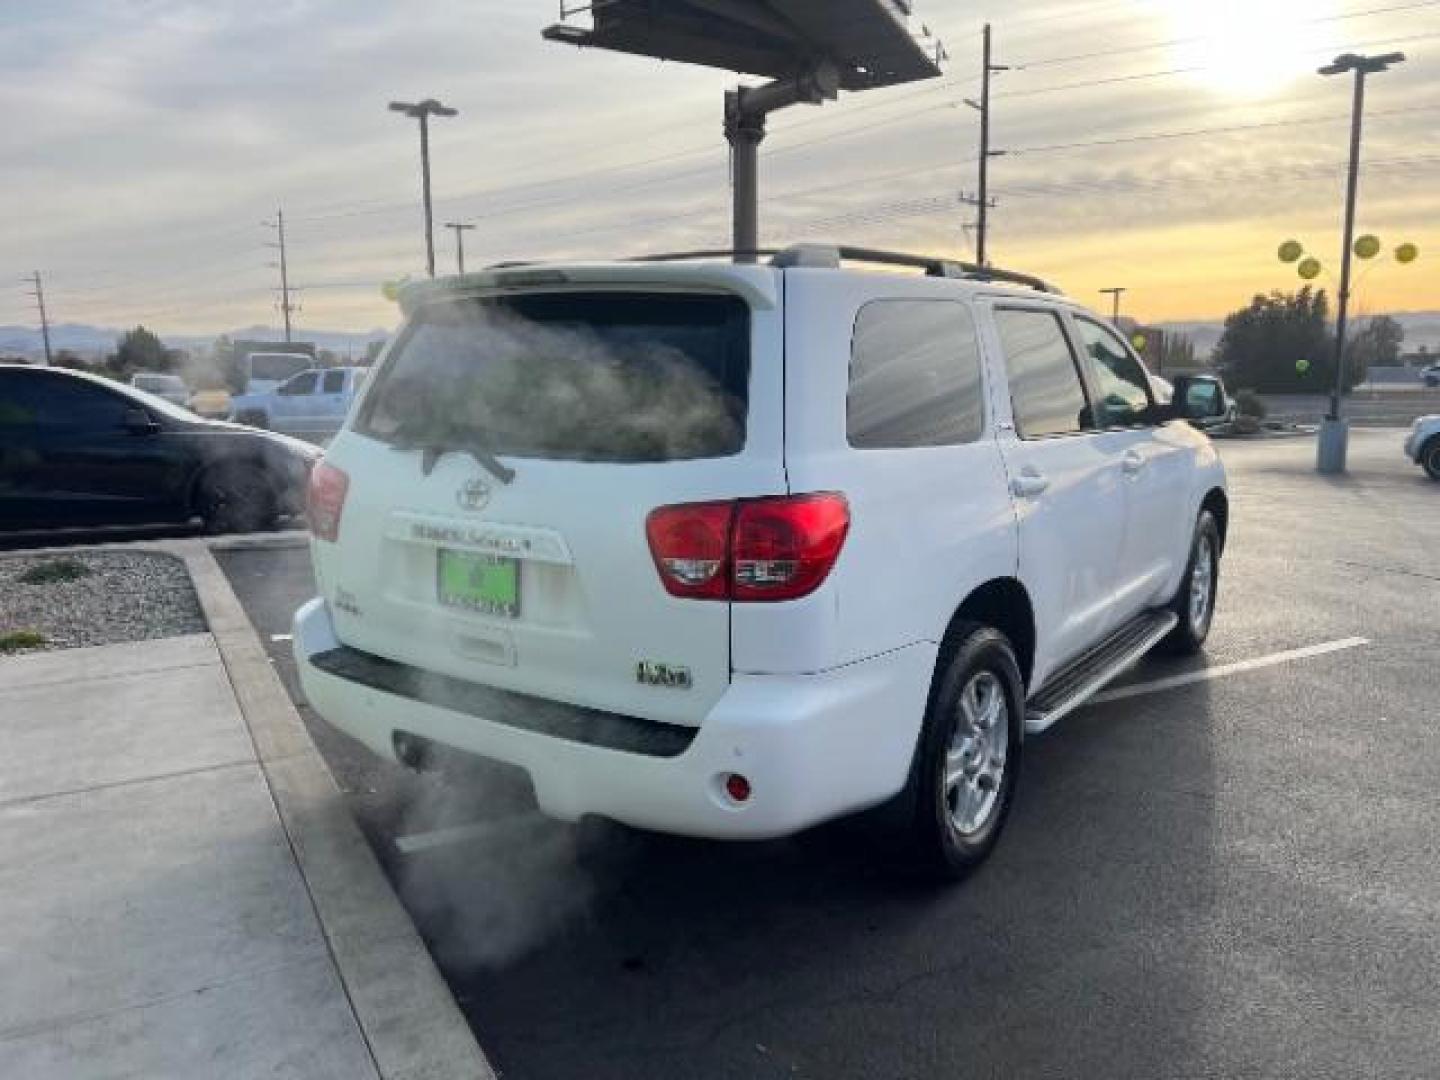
1114	294
460	229
422	111
1334	435
982	201
39	295
285	306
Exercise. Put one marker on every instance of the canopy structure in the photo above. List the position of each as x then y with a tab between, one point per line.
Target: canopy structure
866	41
809	49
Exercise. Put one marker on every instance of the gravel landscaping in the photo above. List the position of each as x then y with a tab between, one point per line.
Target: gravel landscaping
93	598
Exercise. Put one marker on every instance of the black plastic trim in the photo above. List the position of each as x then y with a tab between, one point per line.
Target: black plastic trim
593	727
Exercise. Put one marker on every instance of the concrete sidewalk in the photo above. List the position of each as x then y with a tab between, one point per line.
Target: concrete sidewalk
182	893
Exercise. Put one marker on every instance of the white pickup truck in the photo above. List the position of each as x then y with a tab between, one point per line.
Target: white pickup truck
310	405
730	550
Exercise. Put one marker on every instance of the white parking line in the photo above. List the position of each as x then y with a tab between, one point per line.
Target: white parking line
282	637
409	845
1222	670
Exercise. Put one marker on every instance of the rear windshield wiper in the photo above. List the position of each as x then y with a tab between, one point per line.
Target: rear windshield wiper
451	442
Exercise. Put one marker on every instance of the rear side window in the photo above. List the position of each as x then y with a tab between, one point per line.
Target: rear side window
914	375
1046	393
603	376
334	382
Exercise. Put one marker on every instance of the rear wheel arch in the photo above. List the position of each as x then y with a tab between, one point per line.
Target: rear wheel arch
1426	455
1001	603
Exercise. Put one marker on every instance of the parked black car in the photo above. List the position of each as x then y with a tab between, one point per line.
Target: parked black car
79	450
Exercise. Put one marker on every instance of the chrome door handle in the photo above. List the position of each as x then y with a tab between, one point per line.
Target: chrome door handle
1133	462
1029	484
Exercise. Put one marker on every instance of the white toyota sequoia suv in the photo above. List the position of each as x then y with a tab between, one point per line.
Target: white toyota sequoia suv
731	549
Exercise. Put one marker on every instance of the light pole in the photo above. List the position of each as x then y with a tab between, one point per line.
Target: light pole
1114	293
422	111
1333	432
460	228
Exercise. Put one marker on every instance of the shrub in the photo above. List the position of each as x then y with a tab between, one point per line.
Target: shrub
16	640
47	573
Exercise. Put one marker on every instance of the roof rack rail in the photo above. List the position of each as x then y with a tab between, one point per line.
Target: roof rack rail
706	253
832	255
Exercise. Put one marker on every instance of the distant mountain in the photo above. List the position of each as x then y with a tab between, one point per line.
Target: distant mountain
90	340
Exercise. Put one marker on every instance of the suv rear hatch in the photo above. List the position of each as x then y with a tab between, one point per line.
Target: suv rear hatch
504	461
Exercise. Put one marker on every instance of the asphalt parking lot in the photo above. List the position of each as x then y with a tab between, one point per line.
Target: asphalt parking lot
1235	872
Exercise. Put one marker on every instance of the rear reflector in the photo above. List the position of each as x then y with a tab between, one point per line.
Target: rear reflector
325	500
751	550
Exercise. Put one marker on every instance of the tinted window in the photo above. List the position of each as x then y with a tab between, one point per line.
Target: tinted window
914	375
334	382
582	376
301	384
58	402
277	367
1124	396
1045	389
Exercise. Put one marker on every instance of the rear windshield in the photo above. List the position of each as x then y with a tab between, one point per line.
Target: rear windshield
609	376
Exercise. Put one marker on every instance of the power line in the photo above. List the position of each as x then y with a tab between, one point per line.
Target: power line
1070	58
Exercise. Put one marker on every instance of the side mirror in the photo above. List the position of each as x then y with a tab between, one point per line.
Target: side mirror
1201	399
139	422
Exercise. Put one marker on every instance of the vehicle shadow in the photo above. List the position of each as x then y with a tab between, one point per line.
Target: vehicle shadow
1074	951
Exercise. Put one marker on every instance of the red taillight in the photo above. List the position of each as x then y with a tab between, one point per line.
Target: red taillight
755	549
325	500
689	545
784	548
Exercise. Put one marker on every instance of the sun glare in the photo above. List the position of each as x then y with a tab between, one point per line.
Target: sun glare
1251	48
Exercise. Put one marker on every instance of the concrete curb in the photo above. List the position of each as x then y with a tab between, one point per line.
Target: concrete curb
405	1010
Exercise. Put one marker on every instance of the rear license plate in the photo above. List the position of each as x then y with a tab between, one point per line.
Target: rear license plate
488	584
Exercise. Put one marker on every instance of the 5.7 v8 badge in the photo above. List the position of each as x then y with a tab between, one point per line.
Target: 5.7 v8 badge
654	673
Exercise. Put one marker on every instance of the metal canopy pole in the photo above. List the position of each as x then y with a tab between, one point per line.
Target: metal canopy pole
746	108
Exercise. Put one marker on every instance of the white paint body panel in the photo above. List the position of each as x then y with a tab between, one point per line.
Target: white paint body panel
818	701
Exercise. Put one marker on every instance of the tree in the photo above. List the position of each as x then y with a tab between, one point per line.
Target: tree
68	358
1280	343
1377	345
139	350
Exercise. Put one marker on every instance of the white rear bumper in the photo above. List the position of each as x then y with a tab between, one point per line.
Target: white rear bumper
814	747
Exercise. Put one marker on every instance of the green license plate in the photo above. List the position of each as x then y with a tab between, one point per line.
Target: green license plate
488	584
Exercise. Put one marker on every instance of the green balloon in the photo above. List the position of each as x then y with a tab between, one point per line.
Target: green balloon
1290	250
1309	268
1367	246
1302	366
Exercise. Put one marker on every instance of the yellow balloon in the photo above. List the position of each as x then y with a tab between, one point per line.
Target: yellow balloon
1367	246
1309	268
390	290
1138	341
1290	250
1406	253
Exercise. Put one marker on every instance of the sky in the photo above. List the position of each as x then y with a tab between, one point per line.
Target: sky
1166	146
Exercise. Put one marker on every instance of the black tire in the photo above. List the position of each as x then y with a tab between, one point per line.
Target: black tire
1430	457
1190	632
236	499
973	655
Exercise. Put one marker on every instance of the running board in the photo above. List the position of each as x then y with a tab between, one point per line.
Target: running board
1081	679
